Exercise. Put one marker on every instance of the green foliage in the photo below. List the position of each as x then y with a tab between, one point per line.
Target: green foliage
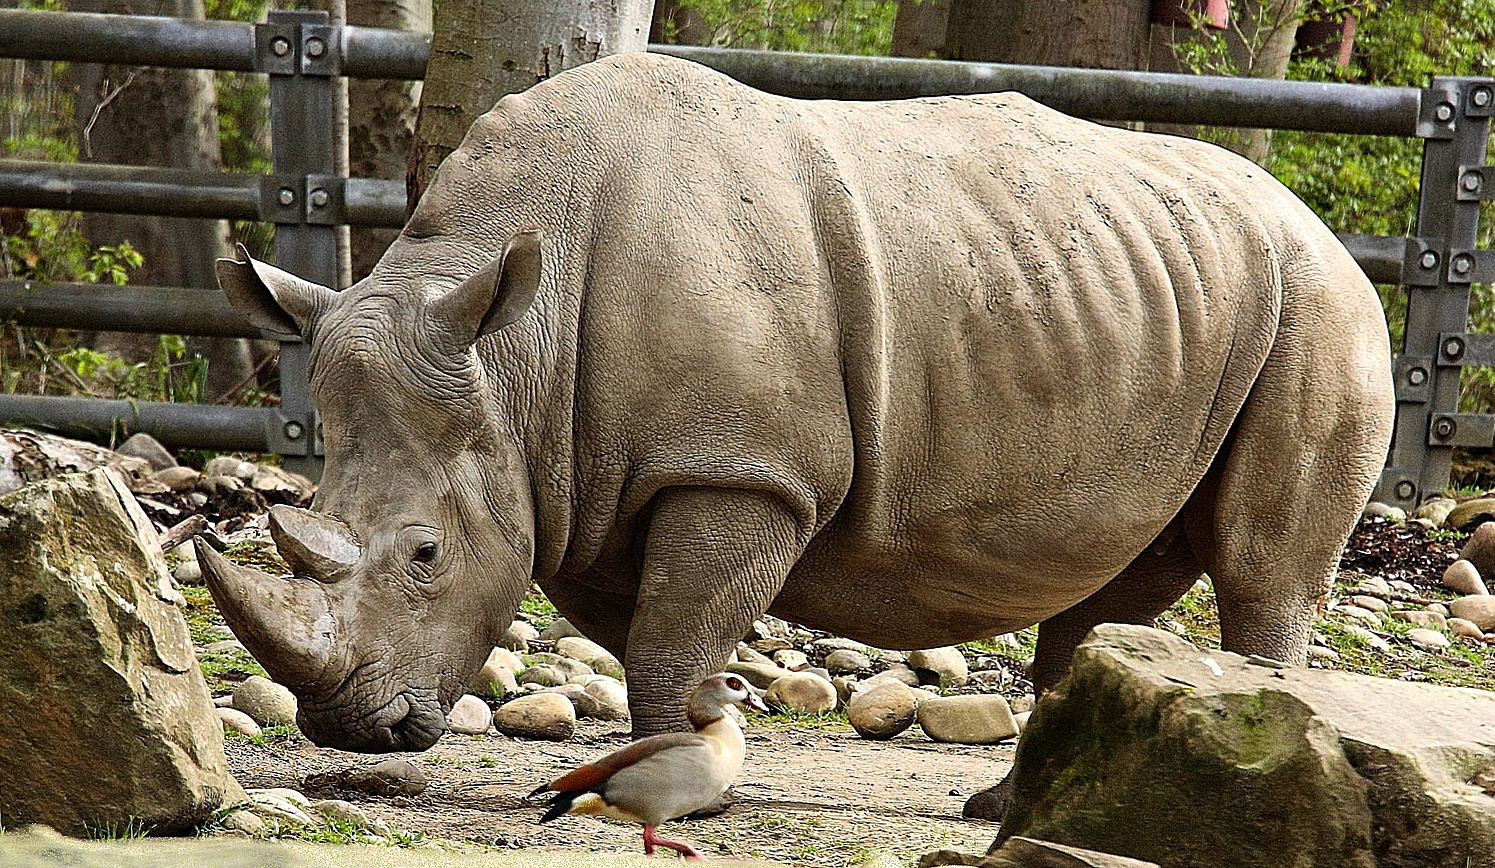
133	829
836	26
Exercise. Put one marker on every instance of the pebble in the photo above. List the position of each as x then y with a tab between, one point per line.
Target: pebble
270	704
760	675
1466	629
539	715
748	654
1373	586
145	446
836	643
901	673
1436	510
560	628
802	693
1436	607
1479	608
1463	577
518	636
469	716
349	813
1367	637
1369	603
1377	509
1471	511
1358	613
770	645
584	650
1319	652
611	697
1428	639
982	719
1422	618
947	664
392	777
1479	549
245	821
581	702
187	573
1402	587
845	660
543	675
882	710
791	659
235	720
177	478
273	805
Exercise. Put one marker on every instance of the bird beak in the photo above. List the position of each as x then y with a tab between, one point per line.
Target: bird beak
754	700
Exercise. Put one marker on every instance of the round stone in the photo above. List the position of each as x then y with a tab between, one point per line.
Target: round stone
760	675
1422	618
1479	550
899	672
187	573
1466	629
469	716
748	654
1374	586
1436	510
543	674
539	715
802	693
392	777
1463	577
235	720
844	660
883	709
581	701
270	704
1428	639
947	664
1377	509
792	659
594	656
983	719
518	636
560	628
1479	608
1369	603
1367	637
1357	613
611	698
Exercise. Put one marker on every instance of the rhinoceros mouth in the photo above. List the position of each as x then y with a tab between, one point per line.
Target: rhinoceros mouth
408	721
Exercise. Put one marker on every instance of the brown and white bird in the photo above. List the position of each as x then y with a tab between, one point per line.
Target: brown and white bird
666	776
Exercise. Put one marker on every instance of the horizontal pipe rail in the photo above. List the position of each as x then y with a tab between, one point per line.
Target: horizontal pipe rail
1094	93
230	429
135	308
113	189
1379	256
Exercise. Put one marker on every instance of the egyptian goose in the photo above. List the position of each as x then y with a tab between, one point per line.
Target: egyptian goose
666	776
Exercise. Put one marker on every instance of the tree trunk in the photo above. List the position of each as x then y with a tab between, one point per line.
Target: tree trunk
921	28
674	24
157	117
381	119
1099	34
482	50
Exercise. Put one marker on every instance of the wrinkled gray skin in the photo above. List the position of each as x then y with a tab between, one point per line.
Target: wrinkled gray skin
912	372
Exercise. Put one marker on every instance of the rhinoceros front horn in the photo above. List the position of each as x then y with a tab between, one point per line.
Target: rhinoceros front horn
285	623
314	544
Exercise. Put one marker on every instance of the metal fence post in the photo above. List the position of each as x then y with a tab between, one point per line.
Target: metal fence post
1439	266
302	53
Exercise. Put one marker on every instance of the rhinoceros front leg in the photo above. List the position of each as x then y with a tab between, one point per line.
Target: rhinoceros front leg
714	559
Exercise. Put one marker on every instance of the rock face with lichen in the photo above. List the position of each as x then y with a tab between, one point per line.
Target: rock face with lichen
1157	750
107	722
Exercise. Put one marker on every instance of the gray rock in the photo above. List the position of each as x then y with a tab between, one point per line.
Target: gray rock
1403	587
1271	766
1478	608
791	659
982	719
145	446
106	714
844	660
539	715
280	805
347	813
947	664
1373	586
1428	639
518	636
245	821
560	628
770	645
883	709
1367	637
270	704
235	720
1377	509
585	651
187	573
1358	613
900	673
1467	515
469	716
1430	620
392	777
611	697
1319	652
582	703
837	643
1462	577
1464	628
802	693
1436	607
758	674
1370	603
1436	510
496	678
748	654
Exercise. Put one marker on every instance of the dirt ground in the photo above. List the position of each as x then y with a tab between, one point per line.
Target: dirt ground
806	796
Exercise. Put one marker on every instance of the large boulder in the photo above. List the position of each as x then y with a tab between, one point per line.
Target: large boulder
1154	749
105	720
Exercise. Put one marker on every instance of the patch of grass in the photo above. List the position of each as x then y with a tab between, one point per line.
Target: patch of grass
257	553
133	829
1027	646
1194	617
818	720
535	604
225	671
273	735
1443	534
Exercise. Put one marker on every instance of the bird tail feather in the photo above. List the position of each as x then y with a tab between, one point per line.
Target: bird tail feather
559	805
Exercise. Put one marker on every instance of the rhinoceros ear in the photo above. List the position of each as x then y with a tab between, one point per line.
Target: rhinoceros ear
276	301
496	296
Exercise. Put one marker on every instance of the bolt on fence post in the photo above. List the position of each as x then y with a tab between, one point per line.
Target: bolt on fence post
300	51
1454	125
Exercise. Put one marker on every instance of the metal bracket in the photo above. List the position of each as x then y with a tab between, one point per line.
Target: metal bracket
319	200
1420	262
326	200
321	49
298	43
275	47
1472	186
1438	113
1480	101
1462	429
1413	379
1471	266
286	434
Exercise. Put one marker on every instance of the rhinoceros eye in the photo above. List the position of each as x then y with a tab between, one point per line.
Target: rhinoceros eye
425	553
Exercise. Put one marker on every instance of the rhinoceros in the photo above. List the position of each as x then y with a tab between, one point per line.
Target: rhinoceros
915	372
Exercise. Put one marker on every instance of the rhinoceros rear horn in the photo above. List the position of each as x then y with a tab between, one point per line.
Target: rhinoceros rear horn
276	301
313	544
499	294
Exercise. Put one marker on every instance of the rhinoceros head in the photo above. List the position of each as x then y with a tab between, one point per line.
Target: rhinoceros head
419	543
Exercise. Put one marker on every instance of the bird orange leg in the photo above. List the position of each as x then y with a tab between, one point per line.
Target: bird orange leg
651	839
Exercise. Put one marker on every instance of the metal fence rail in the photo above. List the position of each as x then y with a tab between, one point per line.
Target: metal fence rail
302	52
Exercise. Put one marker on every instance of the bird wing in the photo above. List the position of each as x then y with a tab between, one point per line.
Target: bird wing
594	775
